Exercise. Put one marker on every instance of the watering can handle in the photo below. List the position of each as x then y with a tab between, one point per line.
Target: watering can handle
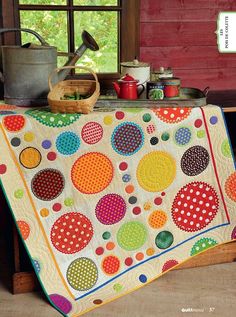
39	37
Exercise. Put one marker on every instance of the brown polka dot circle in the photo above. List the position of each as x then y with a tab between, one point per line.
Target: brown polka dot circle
71	232
195	160
47	184
195	206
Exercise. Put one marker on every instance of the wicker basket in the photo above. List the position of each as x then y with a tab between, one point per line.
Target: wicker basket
80	86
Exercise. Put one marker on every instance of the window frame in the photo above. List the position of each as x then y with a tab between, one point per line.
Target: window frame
129	29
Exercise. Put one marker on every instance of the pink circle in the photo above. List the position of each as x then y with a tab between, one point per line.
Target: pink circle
71	232
128	261
158	201
198	123
92	132
195	206
3	168
169	264
123	166
99	251
51	156
136	210
151	128
119	115
110	209
56	207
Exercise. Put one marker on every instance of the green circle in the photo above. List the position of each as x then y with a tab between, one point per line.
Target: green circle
225	148
132	235
117	287
69	202
133	110
82	274
147	117
201	134
106	235
202	244
165	136
164	239
19	193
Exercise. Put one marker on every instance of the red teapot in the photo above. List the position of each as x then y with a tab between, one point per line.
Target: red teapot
127	87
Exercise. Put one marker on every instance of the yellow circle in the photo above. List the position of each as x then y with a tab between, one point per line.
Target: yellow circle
30	157
156	171
29	136
157	219
107	120
44	212
150	251
147	206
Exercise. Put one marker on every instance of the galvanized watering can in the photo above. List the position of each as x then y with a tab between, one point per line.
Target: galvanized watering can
26	68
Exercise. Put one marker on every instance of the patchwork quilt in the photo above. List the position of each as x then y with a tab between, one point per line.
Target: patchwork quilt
107	202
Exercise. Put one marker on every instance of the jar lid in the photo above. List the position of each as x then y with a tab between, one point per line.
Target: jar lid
135	63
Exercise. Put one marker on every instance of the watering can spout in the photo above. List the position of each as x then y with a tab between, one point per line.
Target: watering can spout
88	42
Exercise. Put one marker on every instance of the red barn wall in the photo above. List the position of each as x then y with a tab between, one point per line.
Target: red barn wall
181	34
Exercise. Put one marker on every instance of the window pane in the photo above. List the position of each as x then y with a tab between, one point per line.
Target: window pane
96	2
103	26
51	25
58	2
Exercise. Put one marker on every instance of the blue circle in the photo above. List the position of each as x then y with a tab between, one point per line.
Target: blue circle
4	112
213	120
67	143
143	278
127	138
46	144
37	266
183	136
126	178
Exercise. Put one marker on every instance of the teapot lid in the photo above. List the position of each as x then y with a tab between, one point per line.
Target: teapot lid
128	78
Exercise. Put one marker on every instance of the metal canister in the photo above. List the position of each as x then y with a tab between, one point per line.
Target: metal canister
155	90
171	87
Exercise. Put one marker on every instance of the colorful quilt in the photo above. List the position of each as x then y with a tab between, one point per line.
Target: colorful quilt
107	202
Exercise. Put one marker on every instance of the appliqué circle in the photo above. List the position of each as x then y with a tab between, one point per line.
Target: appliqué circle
110	209
67	143
47	184
92	133
195	160
195	206
71	232
132	235
127	138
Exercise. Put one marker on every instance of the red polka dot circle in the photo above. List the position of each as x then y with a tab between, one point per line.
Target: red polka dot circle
14	123
111	264
195	206
92	133
169	264
71	232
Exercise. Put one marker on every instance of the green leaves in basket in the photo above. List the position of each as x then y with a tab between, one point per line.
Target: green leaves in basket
75	96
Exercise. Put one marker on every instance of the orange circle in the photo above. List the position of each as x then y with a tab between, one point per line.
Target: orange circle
24	229
92	173
110	245
111	264
129	189
147	206
30	157
230	186
172	115
150	251
157	219
44	212
139	256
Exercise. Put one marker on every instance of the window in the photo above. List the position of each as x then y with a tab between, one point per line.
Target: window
113	23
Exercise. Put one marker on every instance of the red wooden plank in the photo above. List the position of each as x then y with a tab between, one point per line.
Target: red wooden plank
216	79
187	57
184	10
177	34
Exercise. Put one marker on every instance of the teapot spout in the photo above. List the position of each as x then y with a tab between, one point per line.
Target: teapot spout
117	88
